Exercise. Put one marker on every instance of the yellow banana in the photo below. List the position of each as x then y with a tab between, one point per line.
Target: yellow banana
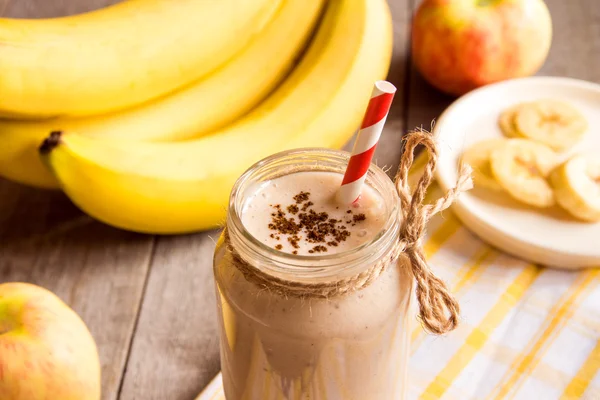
506	121
184	186
478	157
551	122
119	56
522	167
218	99
576	187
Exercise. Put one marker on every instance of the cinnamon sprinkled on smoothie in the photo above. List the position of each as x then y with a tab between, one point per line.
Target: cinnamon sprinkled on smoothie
301	197
306	205
359	217
318	249
317	227
294	239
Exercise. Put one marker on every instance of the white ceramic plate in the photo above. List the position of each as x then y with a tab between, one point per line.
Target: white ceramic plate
549	237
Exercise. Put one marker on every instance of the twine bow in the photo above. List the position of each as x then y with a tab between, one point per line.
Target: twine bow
438	310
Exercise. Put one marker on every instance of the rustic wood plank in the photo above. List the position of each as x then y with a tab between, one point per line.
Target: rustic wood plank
49	8
424	103
99	271
388	151
575	52
175	350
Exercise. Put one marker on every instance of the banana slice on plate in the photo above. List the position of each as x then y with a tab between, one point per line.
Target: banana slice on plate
553	123
576	186
521	167
478	157
506	121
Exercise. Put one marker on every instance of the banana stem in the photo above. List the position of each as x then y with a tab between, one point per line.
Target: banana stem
50	142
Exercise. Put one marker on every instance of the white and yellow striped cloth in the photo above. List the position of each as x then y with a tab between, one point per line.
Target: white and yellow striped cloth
527	332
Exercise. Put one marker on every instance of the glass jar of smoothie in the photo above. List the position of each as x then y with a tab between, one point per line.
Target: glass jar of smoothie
302	313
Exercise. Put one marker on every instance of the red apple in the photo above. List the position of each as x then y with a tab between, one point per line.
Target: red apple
459	45
46	351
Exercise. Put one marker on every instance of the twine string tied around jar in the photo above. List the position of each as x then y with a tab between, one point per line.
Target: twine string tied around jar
438	309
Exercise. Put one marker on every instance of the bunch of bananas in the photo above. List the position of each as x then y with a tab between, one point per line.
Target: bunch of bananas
157	108
527	165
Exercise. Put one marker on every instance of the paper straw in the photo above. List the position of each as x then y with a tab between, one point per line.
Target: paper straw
366	142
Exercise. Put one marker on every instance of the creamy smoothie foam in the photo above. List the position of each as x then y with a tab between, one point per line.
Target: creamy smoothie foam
350	347
299	214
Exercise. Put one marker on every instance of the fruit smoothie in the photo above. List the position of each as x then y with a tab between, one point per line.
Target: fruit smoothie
351	346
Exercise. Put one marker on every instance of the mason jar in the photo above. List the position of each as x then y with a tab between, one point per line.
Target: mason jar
279	343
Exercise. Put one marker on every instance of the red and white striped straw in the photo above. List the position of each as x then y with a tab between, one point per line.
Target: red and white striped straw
366	142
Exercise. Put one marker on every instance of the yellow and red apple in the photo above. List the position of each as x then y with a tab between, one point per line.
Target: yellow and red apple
459	45
46	351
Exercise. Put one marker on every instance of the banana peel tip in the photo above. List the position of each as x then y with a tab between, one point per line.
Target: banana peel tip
50	142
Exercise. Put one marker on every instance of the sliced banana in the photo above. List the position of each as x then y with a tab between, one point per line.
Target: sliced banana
521	167
478	157
506	121
553	123
576	185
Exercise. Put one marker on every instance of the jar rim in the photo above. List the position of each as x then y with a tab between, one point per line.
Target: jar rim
311	267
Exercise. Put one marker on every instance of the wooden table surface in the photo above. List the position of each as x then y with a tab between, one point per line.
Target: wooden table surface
149	300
